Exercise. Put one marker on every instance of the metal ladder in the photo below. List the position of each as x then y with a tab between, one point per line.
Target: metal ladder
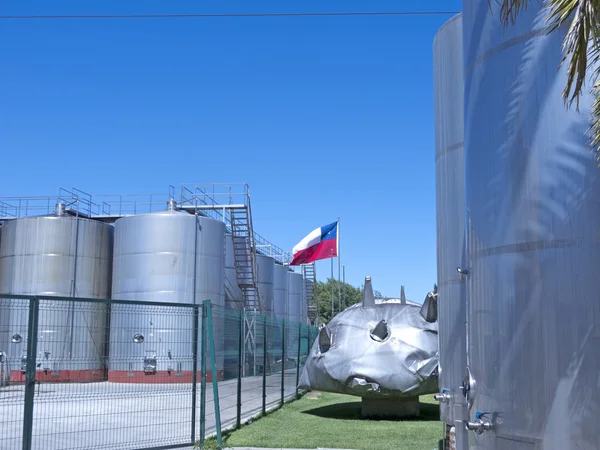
244	250
245	257
309	274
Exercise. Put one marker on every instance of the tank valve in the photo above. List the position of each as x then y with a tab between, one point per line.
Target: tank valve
443	396
480	425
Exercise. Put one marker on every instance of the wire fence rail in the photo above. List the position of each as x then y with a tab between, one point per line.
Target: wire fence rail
115	374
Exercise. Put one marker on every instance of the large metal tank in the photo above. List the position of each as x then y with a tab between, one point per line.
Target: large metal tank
266	281
532	195
294	312
280	291
280	313
450	217
155	260
234	297
295	298
61	256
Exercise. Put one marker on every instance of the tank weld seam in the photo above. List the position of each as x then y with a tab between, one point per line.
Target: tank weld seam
526	247
449	149
506	44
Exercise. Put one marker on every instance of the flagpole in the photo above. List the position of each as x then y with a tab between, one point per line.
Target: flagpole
332	301
339	268
344	271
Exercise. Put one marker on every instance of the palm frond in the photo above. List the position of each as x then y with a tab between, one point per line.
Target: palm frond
581	48
585	22
510	9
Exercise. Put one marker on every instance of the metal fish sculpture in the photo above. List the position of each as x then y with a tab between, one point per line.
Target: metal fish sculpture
377	349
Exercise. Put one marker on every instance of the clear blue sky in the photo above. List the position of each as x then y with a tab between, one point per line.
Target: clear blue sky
323	116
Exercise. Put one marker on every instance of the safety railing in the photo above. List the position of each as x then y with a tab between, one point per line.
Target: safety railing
114	374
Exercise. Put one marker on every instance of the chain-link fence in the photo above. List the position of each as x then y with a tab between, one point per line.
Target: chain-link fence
110	374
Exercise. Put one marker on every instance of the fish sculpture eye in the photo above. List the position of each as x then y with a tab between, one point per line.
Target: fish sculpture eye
381	331
324	339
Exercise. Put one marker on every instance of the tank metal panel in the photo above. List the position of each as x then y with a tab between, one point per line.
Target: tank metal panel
532	194
280	288
58	256
450	216
266	280
346	358
155	260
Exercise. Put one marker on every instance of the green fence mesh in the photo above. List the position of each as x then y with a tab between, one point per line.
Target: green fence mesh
108	374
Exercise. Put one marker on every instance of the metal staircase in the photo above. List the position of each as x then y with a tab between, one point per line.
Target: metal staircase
309	273
244	252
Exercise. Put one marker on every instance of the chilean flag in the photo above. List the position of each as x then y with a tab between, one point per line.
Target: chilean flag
321	243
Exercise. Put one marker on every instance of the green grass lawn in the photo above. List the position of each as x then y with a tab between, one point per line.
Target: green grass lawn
333	420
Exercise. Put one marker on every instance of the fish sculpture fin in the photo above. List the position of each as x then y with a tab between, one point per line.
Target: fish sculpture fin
368	297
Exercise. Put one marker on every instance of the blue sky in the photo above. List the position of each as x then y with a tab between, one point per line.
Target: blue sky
322	116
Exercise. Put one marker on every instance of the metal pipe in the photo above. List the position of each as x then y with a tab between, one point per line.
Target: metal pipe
203	379
239	374
264	380
283	331
194	371
209	207
34	310
299	355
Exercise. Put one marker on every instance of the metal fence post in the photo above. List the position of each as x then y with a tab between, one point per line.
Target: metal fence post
264	380
213	365
203	379
194	370
32	328
283	331
239	374
298	360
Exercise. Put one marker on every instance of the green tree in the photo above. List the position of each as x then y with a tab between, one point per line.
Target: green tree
350	296
581	47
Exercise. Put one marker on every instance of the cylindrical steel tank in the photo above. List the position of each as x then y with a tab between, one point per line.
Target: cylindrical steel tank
280	291
234	297
266	280
532	195
61	256
294	312
450	217
280	303
172	257
295	297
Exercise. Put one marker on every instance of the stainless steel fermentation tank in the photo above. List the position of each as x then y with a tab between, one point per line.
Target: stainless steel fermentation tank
450	215
266	281
172	257
295	302
280	309
63	256
280	292
532	196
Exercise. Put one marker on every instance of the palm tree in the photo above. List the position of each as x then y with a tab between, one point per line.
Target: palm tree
581	48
